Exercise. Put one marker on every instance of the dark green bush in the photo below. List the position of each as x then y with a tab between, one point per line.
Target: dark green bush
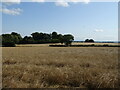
89	40
8	44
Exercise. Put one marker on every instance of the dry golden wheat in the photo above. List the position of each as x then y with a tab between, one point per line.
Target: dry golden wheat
38	67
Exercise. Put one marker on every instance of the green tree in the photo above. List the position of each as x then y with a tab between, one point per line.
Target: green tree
60	38
27	40
54	35
16	37
67	39
89	40
46	36
41	37
36	36
0	40
8	40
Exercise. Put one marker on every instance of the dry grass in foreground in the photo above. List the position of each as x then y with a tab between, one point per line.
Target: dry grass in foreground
39	67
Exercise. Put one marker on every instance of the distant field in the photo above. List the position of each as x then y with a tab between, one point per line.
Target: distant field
39	67
94	43
74	43
32	45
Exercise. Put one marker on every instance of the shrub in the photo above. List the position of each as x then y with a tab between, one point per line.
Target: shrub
89	40
8	44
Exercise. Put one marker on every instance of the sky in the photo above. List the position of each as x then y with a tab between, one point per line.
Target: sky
94	20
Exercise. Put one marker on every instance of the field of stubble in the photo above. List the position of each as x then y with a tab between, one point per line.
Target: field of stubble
60	67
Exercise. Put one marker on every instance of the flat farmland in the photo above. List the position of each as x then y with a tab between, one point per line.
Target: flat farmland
60	67
74	43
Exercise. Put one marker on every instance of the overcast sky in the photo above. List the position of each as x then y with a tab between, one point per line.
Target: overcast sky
97	20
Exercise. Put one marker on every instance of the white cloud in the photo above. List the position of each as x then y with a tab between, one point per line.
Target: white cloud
38	0
11	11
62	3
65	3
86	1
74	1
12	1
99	30
9	3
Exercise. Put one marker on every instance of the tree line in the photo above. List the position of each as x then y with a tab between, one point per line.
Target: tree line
36	38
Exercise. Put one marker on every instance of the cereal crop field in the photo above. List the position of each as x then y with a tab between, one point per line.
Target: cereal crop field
60	67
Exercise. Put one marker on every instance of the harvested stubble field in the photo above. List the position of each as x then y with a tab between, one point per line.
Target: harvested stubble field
60	67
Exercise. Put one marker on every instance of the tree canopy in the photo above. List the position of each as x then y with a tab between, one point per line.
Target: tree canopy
89	40
36	38
67	39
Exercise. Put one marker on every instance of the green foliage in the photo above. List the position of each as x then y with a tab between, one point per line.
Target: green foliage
8	40
0	40
49	38
60	37
54	35
67	39
36	38
16	37
27	40
89	40
55	40
8	44
41	37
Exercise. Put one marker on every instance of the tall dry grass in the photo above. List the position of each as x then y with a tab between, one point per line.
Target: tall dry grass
60	67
